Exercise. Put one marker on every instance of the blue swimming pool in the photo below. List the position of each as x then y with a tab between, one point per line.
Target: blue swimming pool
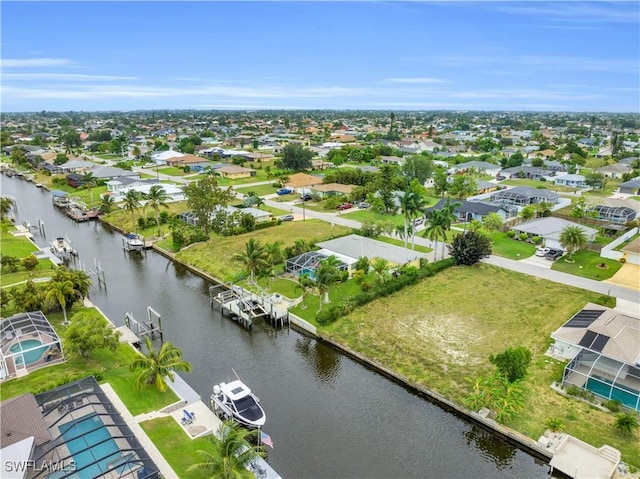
32	350
91	446
603	387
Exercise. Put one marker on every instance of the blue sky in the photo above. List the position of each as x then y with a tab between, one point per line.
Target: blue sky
527	55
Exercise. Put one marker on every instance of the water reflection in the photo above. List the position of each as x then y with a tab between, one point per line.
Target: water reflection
324	362
499	452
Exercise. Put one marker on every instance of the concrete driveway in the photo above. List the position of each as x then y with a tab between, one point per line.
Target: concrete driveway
627	276
539	261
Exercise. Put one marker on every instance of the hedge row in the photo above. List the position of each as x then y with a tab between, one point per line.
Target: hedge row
408	275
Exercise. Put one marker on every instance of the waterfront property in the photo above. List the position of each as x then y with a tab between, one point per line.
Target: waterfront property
604	348
72	431
28	341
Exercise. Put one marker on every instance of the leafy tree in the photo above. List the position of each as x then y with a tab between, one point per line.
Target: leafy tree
156	198
11	262
492	222
440	181
417	167
254	257
595	180
362	264
572	238
463	186
385	187
528	212
6	205
204	197
470	247
273	253
156	365
626	423
89	332
60	159
381	269
230	455
296	157
30	262
543	209
71	139
513	362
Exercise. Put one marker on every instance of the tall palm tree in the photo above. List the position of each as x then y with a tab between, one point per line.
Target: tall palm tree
81	282
305	285
273	254
230	455
435	230
492	222
254	257
156	365
6	205
407	201
57	292
572	238
156	198
107	204
89	182
132	203
326	275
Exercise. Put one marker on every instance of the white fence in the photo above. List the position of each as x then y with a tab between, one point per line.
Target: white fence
608	250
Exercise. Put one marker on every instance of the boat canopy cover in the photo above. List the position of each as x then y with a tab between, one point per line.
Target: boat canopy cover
235	390
59	193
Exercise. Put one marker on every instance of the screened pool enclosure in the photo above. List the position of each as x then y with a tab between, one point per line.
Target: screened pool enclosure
308	262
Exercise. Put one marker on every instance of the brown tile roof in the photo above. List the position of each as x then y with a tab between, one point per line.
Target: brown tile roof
234	169
21	418
302	179
331	187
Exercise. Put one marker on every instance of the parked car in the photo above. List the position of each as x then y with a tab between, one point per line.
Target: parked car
306	197
363	205
418	221
149	165
345	206
542	251
554	254
284	191
501	177
286	218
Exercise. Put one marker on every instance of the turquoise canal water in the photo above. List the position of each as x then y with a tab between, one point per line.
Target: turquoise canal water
328	415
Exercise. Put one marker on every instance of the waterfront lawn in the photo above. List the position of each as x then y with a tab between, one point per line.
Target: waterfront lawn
337	294
16	246
214	256
176	447
122	220
113	366
586	265
441	331
506	247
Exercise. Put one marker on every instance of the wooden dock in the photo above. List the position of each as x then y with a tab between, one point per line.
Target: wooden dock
80	215
246	307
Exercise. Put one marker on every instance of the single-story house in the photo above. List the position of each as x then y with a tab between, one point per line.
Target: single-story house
331	189
604	348
119	183
319	164
528	172
524	195
480	166
102	172
474	210
631	187
355	246
299	181
183	160
550	228
392	160
614	171
76	166
234	172
483	187
571	180
615	210
143	187
161	157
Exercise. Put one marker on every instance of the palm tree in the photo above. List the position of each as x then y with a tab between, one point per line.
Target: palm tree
492	222
156	365
132	203
572	238
57	292
156	198
381	268
273	253
305	285
326	275
254	257
89	181
435	230
230	455
81	282
626	423
107	204
407	208
6	205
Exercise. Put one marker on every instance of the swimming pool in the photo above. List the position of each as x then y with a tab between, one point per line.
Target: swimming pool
603	387
32	350
93	449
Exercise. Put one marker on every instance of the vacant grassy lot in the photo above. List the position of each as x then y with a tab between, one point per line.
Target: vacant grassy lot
114	366
126	221
262	190
178	449
20	247
586	265
443	330
546	185
363	215
214	256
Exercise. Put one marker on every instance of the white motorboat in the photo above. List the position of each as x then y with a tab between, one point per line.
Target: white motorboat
235	400
134	242
61	247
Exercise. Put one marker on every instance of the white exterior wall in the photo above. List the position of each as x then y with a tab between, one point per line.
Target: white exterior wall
566	350
609	253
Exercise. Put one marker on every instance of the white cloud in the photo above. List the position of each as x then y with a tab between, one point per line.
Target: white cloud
574	12
35	62
62	77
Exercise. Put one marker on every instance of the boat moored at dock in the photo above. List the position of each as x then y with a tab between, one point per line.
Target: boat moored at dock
235	400
61	247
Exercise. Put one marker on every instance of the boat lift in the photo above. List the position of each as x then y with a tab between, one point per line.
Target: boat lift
244	306
148	328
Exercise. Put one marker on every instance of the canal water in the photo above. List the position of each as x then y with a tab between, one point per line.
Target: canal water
328	415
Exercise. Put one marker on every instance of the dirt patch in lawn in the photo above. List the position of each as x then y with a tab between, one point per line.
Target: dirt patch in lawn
628	276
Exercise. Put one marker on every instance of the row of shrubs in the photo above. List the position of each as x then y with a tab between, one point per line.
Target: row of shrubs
523	237
407	276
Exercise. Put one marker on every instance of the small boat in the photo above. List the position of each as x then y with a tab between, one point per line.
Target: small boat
61	247
235	400
134	242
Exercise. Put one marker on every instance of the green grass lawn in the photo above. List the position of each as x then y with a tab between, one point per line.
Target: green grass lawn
262	190
510	248
173	171
399	242
16	246
547	185
586	265
439	332
370	215
178	449
82	194
114	366
337	293
214	256
124	221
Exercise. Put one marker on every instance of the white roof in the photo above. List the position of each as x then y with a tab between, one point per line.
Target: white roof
235	390
17	453
167	154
